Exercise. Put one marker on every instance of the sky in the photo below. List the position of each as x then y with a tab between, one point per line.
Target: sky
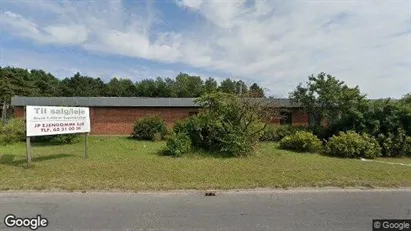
276	44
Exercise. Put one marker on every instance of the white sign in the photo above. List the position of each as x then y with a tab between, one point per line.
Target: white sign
43	121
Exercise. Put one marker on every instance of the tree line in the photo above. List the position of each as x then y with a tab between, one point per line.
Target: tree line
36	82
23	82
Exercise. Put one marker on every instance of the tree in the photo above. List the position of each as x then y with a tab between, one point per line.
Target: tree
324	96
256	91
82	86
171	86
120	88
15	81
228	86
163	89
406	99
189	86
210	85
6	93
46	83
146	88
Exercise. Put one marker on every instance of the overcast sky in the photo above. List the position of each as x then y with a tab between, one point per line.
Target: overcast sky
274	43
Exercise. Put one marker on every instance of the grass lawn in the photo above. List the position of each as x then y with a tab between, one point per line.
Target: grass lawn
120	163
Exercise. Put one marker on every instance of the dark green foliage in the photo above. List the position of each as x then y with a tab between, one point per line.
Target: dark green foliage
395	145
192	126
228	86
12	131
84	86
324	96
66	139
278	132
256	91
406	99
189	86
389	122
120	88
408	145
150	127
210	85
22	82
178	144
353	145
46	83
301	141
323	133
225	125
57	139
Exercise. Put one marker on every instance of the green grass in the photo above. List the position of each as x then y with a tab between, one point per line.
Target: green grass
122	164
403	160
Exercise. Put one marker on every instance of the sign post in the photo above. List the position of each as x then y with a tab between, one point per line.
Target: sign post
47	120
28	147
86	145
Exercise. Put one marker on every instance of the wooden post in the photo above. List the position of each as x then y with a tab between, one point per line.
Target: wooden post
28	146
86	145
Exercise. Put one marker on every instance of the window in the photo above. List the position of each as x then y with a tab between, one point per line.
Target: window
193	113
286	118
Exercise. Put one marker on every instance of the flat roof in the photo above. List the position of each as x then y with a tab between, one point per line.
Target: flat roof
103	101
124	102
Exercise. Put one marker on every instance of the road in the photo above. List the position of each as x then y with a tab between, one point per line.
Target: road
334	209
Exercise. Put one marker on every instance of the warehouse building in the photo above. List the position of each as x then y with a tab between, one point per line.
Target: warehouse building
117	115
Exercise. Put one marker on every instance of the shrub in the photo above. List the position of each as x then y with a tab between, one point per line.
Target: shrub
12	131
65	139
395	145
58	139
408	146
276	133
226	124
323	133
178	144
353	145
150	128
191	126
301	141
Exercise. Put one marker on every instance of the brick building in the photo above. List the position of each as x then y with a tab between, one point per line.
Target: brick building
116	115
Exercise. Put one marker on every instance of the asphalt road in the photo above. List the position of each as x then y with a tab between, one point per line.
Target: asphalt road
245	210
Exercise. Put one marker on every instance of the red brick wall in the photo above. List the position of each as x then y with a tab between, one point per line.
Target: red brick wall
120	121
19	112
299	117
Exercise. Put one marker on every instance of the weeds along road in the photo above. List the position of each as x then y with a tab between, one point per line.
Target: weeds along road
333	209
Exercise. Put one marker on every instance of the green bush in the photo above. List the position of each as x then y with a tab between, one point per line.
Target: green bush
178	144
395	145
353	145
226	124
192	126
301	141
12	131
408	146
65	139
150	128
323	133
276	133
57	139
